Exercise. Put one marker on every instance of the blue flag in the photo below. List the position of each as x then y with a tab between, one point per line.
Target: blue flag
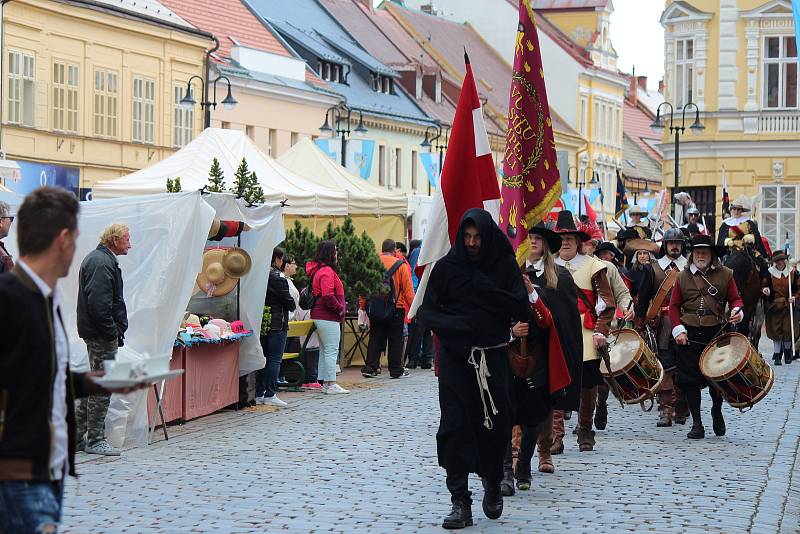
796	12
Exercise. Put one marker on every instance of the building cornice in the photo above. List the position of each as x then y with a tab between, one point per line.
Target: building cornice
777	148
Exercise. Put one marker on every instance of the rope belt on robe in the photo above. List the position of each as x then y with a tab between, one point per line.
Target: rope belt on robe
481	374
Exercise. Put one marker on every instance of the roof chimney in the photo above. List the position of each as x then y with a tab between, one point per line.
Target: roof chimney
661	86
642	81
632	96
429	8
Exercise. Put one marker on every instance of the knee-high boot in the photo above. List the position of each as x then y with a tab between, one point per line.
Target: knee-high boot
558	432
545	443
585	412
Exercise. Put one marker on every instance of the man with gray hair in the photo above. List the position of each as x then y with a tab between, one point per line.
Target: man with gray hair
102	322
6	262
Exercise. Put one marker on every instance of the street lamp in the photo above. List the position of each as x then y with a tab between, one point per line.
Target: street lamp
440	146
645	190
658	126
581	183
188	101
340	124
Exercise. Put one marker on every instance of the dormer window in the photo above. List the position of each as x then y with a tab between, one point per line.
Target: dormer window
331	72
382	84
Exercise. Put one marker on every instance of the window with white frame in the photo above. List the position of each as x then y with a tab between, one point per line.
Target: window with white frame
583	117
603	130
596	121
65	96
617	128
684	72
780	72
182	119
779	211
144	104
106	94
21	87
609	126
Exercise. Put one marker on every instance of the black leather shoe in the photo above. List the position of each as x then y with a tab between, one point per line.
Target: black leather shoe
425	365
697	432
459	517
507	487
411	364
787	356
492	500
719	421
601	417
776	358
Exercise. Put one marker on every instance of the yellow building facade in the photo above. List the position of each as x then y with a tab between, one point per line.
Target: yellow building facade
92	93
737	61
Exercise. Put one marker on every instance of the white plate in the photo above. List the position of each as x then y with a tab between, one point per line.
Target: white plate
114	383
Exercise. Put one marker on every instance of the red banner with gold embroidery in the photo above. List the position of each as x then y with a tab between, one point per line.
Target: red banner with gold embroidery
531	183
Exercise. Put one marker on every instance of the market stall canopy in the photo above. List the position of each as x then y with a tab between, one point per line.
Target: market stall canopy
192	163
307	159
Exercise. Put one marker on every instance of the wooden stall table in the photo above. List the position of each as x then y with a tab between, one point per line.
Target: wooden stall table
211	377
358	337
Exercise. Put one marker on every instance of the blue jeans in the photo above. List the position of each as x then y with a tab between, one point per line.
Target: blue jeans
29	507
273	344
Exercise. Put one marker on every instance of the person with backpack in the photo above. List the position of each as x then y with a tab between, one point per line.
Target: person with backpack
387	313
327	310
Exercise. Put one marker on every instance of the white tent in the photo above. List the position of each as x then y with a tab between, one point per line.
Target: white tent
307	159
192	163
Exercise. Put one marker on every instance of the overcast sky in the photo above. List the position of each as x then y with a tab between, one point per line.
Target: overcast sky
639	38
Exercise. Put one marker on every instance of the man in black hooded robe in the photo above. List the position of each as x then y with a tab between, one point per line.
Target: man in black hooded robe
474	294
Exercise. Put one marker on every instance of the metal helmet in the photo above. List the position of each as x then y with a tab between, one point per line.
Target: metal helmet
674	234
693	211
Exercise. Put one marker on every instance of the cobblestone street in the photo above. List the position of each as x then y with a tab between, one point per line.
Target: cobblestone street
367	463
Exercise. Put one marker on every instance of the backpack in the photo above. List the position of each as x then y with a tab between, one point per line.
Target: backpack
381	308
307	297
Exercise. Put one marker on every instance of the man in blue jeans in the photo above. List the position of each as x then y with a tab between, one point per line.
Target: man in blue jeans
37	388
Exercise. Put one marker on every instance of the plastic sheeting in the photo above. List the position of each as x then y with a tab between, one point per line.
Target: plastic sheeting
306	158
192	163
168	231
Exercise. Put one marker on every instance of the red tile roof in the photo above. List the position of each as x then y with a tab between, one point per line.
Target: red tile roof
555	33
228	20
636	124
445	41
563	4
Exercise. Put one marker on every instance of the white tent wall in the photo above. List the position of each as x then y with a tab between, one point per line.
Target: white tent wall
168	231
192	163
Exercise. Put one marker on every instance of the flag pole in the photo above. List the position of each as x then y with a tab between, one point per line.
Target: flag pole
791	304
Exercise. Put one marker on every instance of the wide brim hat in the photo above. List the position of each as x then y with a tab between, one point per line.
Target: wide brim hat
552	238
635	245
705	241
742	203
778	256
237	262
637	210
610	247
212	278
565	225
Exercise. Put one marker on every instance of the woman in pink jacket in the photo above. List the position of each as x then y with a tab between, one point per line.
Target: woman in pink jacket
327	312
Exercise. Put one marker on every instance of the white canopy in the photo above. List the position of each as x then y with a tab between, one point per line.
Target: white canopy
307	159
192	163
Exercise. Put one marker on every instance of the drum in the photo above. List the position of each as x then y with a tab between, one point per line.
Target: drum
635	370
737	370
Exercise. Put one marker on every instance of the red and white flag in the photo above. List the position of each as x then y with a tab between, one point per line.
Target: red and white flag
469	180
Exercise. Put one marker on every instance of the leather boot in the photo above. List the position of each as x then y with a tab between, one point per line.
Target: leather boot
516	442
664	399
601	415
776	358
492	499
507	484
558	432
681	407
718	422
697	431
585	411
460	515
545	444
787	355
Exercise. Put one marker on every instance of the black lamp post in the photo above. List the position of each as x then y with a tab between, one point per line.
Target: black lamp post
644	189
188	100
441	146
677	130
340	118
581	183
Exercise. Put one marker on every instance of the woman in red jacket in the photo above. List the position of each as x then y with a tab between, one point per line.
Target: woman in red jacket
327	312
